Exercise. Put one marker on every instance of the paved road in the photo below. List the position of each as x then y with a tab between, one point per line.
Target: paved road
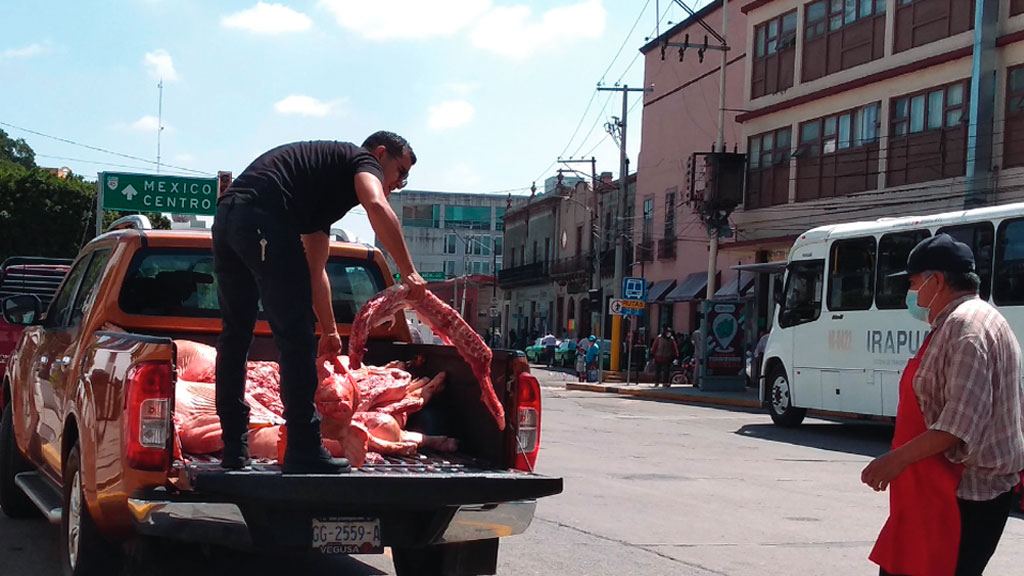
650	488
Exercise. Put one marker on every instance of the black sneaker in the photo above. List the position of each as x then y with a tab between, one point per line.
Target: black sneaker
317	462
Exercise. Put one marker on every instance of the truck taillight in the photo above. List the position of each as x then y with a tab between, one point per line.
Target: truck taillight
528	422
148	416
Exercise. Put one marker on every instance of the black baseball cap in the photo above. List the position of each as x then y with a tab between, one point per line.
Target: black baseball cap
940	253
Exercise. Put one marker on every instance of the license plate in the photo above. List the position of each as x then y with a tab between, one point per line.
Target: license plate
347	536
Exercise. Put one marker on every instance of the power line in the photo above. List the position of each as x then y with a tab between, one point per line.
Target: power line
103	150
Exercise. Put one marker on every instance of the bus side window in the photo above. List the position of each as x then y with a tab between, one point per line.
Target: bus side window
893	249
1008	289
979	237
851	279
802	302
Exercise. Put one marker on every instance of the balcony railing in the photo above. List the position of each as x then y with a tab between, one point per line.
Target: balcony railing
667	249
573	266
535	273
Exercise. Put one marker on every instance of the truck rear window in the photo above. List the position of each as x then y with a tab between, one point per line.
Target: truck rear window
181	283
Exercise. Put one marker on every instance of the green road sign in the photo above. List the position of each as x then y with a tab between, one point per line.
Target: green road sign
157	193
428	276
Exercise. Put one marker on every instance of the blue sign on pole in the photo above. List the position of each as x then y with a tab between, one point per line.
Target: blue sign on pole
634	289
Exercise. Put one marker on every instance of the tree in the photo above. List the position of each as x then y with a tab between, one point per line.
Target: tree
42	214
16	151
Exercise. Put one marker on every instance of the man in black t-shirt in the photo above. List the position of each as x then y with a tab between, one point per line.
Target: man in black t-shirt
271	243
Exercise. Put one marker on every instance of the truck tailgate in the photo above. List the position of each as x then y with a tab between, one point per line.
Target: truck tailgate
421	482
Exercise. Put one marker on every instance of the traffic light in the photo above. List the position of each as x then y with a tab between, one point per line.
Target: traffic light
596	296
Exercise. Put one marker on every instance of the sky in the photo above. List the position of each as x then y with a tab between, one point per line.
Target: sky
489	93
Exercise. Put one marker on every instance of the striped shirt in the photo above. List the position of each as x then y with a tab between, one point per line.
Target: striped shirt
969	385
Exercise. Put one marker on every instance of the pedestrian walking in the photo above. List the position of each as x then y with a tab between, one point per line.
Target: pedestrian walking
270	245
664	351
550	343
959	442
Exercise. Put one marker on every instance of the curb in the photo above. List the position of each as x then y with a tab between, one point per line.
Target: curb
654	394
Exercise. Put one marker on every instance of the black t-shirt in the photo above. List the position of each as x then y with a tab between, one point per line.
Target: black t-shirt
312	182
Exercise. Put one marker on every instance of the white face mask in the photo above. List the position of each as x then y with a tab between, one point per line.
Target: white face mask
914	308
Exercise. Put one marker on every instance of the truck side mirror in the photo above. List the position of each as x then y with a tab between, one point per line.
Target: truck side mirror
22	310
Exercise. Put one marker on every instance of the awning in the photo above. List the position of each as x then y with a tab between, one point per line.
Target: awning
693	286
729	290
762	267
657	292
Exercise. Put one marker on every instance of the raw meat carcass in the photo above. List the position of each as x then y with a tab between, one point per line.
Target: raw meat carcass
443	320
387	436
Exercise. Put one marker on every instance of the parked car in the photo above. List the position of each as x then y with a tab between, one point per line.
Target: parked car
20	275
565	354
535	351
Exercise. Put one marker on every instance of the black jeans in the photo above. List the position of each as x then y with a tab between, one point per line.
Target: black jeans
662	371
258	256
981	527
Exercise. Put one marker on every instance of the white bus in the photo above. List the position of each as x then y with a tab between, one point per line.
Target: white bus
842	335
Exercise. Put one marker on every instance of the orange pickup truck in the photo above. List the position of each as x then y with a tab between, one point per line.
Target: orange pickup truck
87	435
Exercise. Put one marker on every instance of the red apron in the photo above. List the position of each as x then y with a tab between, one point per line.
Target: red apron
922	535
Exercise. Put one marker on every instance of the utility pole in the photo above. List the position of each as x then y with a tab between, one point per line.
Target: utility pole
619	225
595	277
980	189
159	122
719	147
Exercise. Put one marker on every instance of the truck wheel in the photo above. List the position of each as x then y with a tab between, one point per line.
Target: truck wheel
780	400
417	561
14	502
83	550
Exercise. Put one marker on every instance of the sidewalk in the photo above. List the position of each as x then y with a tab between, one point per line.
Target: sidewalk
682	394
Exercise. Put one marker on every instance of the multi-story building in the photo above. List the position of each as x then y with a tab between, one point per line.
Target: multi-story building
550	247
861	109
452	234
680	119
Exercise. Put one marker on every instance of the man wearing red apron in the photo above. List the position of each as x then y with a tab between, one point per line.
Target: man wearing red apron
959	439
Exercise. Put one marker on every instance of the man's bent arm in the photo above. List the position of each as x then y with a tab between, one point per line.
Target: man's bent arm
318	248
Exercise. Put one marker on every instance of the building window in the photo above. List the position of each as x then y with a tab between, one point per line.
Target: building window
670	213
449	268
1013	127
648	230
535	251
422	216
471	217
499	218
1016	7
768	157
928	135
841	34
499	246
774	55
449	244
919	22
838	154
579	240
480	267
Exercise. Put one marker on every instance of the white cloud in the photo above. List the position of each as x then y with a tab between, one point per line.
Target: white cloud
148	124
461	88
514	33
463	176
160	65
268	19
451	114
387	19
297	104
26	52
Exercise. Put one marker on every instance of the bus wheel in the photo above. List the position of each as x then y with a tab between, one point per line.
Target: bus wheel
780	400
